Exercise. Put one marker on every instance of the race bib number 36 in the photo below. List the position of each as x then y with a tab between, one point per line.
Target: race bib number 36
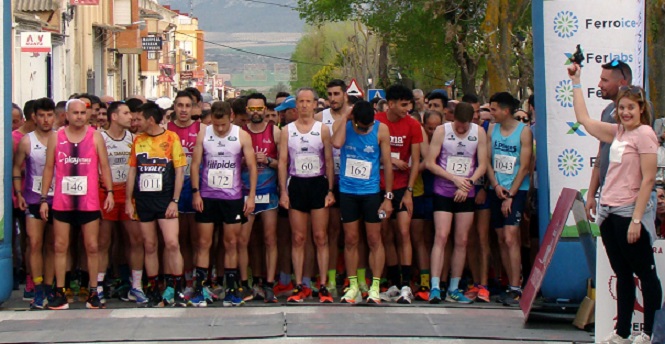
504	164
307	165
37	186
220	179
119	173
458	165
75	186
150	182
358	169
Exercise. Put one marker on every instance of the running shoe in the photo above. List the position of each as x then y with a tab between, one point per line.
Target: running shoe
93	301
324	295
405	296
39	301
154	298
351	295
232	299
373	296
457	296
59	301
513	298
300	293
435	296
614	338
69	294
642	338
137	295
189	291
179	299
29	290
364	289
283	290
84	294
208	294
198	300
422	294
391	294
168	296
245	294
483	294
102	299
269	295
122	291
472	293
332	289
257	293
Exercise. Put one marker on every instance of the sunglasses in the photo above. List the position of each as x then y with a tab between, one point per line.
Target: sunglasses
196	117
523	119
616	64
255	108
363	129
635	90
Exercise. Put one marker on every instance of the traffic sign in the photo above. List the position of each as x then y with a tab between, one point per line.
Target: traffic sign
151	43
375	93
354	90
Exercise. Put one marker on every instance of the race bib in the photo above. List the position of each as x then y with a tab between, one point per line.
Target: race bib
458	165
504	164
337	164
150	182
358	169
188	168
119	173
37	186
616	150
75	186
261	199
307	164
220	179
394	155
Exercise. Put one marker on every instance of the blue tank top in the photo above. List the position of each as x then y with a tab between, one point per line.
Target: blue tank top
360	160
506	156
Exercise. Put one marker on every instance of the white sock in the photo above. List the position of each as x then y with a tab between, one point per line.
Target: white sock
100	277
137	276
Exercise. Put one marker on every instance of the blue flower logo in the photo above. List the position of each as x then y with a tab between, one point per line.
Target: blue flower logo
570	162
564	93
566	24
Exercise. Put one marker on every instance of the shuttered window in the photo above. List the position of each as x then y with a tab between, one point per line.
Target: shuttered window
122	12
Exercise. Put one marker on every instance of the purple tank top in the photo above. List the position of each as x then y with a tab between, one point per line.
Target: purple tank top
76	173
34	168
222	160
458	156
306	152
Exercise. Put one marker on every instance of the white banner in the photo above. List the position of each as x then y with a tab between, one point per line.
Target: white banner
606	306
606	30
35	42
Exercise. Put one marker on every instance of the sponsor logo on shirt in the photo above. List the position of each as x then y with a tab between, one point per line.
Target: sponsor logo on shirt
66	159
397	140
233	138
368	149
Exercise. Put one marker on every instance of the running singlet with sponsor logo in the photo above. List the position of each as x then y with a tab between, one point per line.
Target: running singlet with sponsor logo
222	159
360	160
306	153
505	157
403	134
155	159
328	120
458	156
188	137
34	168
76	173
118	155
262	142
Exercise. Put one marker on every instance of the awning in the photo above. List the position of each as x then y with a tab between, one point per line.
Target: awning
36	5
107	27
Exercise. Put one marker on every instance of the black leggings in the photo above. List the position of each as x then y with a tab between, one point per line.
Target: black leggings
626	260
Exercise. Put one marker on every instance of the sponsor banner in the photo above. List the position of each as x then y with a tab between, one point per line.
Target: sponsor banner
186	75
571	150
606	299
35	42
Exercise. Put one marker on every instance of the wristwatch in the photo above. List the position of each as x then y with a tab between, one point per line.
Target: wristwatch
389	196
409	189
637	221
269	161
194	190
175	200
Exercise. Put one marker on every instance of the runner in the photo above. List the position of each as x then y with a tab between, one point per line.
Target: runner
119	140
405	138
510	147
220	148
187	129
156	171
30	157
306	151
265	138
73	157
364	143
457	158
339	108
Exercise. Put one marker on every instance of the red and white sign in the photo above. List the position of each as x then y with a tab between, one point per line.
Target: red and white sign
354	90
219	81
35	42
606	299
83	2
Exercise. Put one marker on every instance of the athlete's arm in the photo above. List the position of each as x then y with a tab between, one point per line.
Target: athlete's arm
318	116
436	169
282	172
250	161
22	151
424	150
49	169
339	132
481	156
105	170
330	163
384	144
276	135
197	156
491	177
526	152
602	131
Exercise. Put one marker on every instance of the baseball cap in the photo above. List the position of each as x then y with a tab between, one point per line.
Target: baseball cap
164	103
288	103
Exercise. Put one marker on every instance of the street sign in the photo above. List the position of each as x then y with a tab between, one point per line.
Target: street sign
186	75
151	43
375	93
354	90
35	42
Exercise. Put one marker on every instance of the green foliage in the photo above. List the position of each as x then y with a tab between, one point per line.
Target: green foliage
321	79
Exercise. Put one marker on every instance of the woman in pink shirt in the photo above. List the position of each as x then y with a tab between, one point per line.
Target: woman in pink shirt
624	216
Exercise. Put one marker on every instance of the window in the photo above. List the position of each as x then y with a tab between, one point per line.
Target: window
122	12
152	55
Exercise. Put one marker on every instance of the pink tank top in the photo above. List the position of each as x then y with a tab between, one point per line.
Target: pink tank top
76	174
187	140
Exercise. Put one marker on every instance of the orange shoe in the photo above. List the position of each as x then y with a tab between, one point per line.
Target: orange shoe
483	294
422	294
300	293
324	295
283	290
472	293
